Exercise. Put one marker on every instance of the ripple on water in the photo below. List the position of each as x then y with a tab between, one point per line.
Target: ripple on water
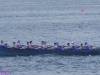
51	21
51	64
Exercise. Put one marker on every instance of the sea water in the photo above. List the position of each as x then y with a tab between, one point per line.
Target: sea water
52	21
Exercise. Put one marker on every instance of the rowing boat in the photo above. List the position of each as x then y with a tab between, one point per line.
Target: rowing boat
13	51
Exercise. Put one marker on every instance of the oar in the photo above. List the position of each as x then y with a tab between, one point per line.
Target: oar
39	49
85	52
68	50
52	49
14	52
26	50
54	52
96	49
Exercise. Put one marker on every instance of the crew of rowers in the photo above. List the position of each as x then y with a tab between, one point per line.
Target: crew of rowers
30	45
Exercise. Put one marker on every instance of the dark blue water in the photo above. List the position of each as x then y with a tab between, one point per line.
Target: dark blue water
52	21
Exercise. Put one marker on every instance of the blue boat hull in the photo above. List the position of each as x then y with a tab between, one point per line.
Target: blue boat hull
12	51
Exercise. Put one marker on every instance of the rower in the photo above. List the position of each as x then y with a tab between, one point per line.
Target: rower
59	46
73	47
31	45
43	45
14	45
81	46
69	47
56	46
86	47
7	46
18	44
2	43
27	44
90	47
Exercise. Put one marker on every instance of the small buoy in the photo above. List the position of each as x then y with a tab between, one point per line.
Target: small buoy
82	10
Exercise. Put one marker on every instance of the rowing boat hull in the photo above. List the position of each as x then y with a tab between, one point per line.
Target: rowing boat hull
11	51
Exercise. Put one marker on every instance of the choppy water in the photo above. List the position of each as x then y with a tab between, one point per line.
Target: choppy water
51	65
50	20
